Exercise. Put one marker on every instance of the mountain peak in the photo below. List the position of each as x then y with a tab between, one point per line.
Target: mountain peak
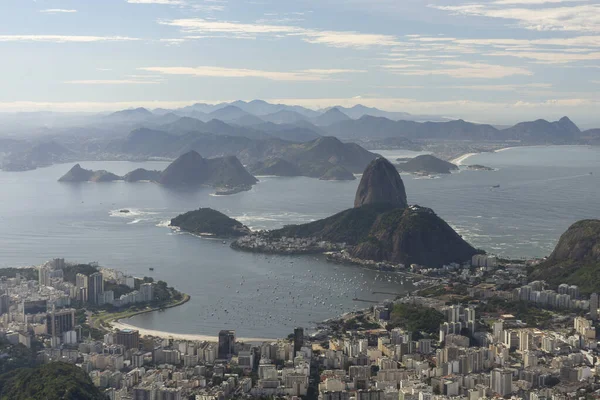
334	110
569	125
381	183
330	117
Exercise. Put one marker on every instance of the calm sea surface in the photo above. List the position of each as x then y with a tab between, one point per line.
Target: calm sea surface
542	191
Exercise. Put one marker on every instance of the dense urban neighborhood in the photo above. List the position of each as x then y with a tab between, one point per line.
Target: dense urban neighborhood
478	330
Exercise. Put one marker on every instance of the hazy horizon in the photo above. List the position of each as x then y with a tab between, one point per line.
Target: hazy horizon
497	62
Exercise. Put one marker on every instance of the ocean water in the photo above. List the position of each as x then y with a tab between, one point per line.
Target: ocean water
542	191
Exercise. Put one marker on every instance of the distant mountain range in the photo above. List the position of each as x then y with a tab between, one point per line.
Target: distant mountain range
258	131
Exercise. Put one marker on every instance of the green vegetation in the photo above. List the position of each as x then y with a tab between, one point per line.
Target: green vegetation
53	381
428	164
350	226
524	311
71	271
209	221
30	274
118	289
338	173
575	260
414	235
586	276
360	322
104	317
416	318
14	356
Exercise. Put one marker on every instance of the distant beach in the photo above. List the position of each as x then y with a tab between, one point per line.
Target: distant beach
460	160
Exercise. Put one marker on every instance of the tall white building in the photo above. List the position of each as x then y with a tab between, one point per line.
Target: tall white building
147	292
44	276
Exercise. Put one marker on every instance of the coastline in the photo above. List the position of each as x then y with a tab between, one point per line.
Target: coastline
107	321
461	159
182	336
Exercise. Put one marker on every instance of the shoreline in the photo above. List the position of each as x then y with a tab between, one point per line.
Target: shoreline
182	336
114	318
459	161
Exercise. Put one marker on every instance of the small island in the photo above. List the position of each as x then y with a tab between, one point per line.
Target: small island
209	222
228	191
477	167
426	165
79	174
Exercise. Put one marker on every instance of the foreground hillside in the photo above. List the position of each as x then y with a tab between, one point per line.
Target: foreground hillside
576	258
53	381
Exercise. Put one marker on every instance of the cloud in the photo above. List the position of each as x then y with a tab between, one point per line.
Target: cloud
549	58
166	2
64	38
348	39
557	50
579	18
112	82
533	2
244	30
466	70
208	71
501	88
58	11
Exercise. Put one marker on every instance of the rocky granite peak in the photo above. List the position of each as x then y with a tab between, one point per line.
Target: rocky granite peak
575	259
381	183
191	169
580	243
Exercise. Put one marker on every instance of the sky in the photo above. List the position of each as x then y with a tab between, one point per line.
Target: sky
497	61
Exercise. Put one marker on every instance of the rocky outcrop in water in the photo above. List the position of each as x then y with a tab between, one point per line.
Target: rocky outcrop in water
209	222
427	164
191	169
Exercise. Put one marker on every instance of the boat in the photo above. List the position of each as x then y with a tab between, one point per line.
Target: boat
151	269
495	186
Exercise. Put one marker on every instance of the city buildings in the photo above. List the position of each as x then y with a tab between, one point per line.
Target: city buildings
130	339
60	321
226	344
95	287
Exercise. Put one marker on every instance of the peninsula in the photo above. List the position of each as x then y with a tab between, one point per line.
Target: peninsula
382	227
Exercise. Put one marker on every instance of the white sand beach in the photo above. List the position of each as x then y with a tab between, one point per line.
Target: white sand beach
460	160
180	336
